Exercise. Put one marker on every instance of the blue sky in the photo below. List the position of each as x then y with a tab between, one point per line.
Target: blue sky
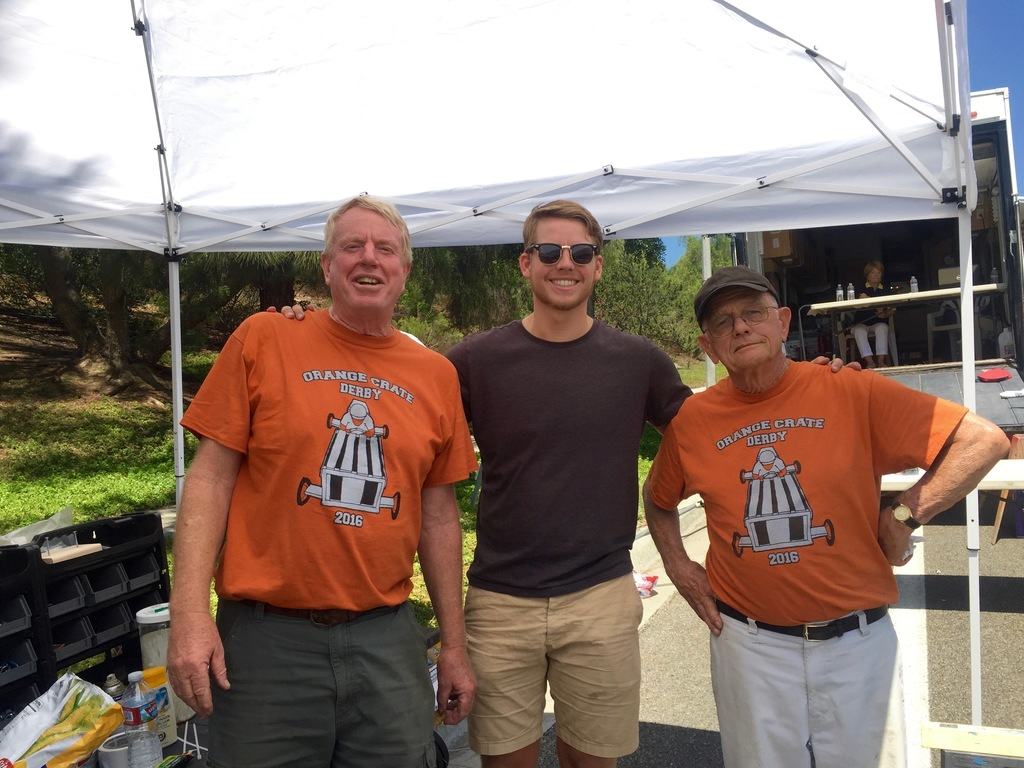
995	30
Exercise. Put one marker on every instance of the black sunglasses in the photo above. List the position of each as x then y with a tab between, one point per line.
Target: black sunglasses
550	253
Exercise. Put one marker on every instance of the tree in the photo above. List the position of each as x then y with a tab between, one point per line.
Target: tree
634	294
685	279
114	304
648	249
474	287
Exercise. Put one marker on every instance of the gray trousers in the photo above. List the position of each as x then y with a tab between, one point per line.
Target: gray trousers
354	695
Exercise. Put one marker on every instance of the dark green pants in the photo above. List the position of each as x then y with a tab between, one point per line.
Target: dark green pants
353	695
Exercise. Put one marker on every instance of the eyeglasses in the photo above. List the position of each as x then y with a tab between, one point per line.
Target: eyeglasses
722	325
550	253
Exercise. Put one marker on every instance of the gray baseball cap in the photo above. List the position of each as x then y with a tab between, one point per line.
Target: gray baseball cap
729	277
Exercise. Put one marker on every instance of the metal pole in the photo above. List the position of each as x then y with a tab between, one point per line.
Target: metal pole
177	407
971	502
709	366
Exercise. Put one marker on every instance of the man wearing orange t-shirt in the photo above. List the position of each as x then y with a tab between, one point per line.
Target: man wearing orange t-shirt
328	452
787	458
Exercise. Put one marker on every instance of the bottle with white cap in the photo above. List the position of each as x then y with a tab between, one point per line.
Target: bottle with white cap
154	630
140	711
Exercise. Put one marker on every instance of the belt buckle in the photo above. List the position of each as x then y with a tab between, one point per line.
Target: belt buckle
330	617
814	625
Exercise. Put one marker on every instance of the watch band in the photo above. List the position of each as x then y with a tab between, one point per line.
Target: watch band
903	514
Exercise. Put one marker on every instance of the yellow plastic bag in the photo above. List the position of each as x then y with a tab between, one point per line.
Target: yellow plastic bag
61	728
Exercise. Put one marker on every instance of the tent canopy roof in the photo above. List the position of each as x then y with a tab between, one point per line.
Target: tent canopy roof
664	118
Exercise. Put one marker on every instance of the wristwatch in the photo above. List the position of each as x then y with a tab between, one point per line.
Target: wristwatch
903	514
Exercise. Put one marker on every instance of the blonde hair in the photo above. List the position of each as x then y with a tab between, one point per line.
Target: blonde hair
874	264
382	208
562	209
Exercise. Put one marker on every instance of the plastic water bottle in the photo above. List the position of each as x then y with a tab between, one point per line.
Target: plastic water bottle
850	293
1006	346
839	292
913	284
140	710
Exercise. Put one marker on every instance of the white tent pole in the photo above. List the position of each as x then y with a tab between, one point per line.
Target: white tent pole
177	406
171	209
946	54
705	245
971	502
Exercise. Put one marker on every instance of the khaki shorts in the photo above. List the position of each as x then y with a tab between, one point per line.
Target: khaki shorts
585	645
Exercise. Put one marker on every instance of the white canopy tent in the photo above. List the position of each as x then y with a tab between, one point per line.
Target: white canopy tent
174	127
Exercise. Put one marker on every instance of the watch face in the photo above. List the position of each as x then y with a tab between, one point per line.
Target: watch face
903	514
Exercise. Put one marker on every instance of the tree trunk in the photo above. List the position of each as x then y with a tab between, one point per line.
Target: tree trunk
277	289
117	346
67	301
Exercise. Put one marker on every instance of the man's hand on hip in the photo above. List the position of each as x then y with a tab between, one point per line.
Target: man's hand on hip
195	655
692	583
894	538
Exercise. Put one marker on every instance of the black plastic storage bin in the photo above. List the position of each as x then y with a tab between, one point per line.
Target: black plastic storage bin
17	568
15	615
72	637
120	537
141	571
65	595
17	660
110	622
107	582
15	700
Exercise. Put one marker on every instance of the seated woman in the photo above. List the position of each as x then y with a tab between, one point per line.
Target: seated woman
872	321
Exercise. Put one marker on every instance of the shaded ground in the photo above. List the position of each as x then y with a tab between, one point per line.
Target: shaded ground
32	347
38	355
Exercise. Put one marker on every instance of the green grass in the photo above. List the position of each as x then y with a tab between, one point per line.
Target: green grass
194	365
100	456
692	372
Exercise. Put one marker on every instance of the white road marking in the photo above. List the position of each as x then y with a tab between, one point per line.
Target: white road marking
909	619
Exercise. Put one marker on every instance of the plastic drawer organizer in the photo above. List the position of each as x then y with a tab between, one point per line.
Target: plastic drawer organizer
77	610
25	646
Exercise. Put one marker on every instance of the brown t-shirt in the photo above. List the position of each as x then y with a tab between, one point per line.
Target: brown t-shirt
340	433
558	426
790	482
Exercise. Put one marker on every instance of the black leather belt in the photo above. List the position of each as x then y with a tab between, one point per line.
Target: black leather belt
820	630
327	617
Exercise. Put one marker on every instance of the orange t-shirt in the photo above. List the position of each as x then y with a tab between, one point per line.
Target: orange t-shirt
340	434
790	482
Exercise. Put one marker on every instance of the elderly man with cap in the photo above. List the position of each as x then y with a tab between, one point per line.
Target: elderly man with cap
804	658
